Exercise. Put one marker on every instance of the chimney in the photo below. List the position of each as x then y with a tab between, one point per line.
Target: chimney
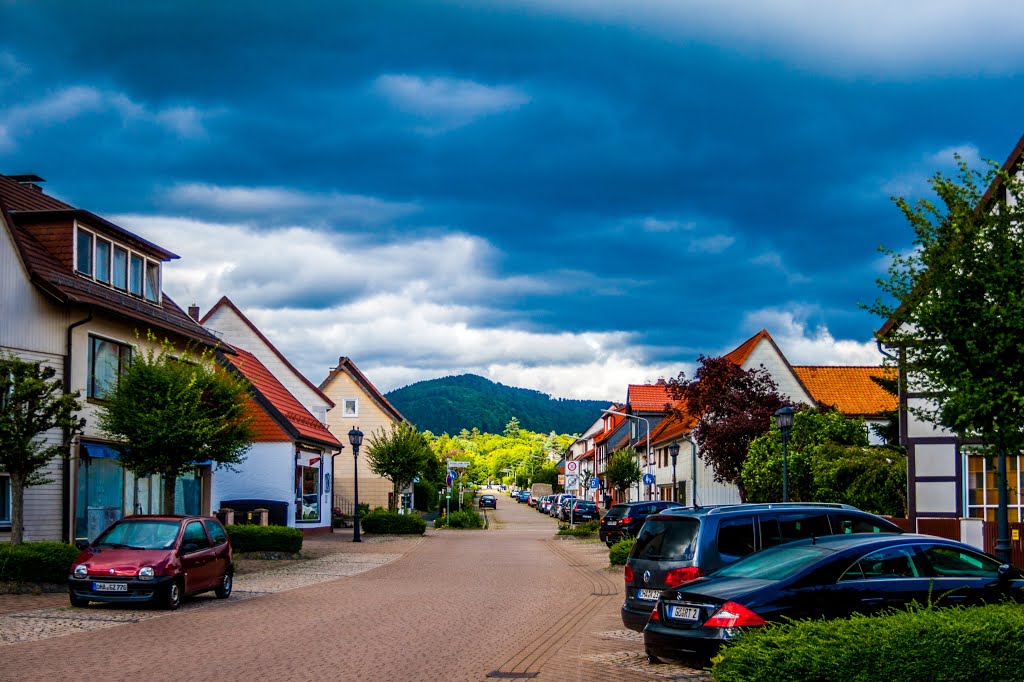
28	180
193	312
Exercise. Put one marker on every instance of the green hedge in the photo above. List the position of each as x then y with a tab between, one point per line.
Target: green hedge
580	529
948	644
467	518
619	552
36	562
386	522
248	538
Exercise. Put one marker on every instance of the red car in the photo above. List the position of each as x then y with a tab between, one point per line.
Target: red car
156	559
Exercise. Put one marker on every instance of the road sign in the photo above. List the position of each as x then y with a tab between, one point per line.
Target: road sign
572	482
458	465
648	479
595	483
449	478
415	479
572	467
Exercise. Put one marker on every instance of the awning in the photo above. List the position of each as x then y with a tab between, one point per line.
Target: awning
98	450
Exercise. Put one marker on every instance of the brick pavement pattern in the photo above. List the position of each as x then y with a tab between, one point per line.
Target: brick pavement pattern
510	602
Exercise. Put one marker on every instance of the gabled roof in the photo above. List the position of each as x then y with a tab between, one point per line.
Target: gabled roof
20	210
227	303
675	427
288	413
346	366
849	389
742	353
648	397
615	421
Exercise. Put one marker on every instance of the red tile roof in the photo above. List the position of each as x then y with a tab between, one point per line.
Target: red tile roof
743	351
648	397
849	389
674	427
347	366
41	228
226	302
288	413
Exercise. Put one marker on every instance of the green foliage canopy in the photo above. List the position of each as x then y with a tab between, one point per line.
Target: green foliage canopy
399	455
623	469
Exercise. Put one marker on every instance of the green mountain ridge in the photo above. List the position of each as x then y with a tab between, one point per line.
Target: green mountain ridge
452	403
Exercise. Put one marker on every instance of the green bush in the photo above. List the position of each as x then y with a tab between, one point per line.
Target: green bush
248	538
580	529
949	644
620	551
467	518
386	522
36	562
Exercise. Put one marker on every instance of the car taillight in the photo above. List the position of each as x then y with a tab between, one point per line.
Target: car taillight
628	575
678	576
655	616
626	520
732	615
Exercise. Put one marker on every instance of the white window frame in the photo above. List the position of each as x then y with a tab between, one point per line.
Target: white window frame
90	392
132	256
355	407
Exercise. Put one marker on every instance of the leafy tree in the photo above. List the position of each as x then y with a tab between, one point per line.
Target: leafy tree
32	402
732	406
957	298
512	429
623	470
167	413
398	455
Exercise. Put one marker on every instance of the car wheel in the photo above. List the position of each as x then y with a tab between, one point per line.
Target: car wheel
223	591
172	595
77	602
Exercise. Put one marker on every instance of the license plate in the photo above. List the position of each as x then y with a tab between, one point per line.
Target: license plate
648	595
683	612
110	587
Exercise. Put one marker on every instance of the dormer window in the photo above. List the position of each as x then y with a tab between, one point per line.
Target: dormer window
115	265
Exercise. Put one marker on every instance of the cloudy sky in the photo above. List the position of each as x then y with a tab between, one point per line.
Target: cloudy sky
563	195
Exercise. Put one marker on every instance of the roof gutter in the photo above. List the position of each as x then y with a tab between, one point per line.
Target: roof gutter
66	469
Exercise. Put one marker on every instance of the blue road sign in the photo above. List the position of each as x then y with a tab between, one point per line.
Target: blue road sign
595	483
648	479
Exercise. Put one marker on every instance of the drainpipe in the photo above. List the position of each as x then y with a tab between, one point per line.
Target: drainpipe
334	485
66	473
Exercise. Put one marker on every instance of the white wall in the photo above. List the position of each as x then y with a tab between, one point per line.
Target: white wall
765	354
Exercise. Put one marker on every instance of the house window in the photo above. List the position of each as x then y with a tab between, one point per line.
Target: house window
102	261
307	487
120	268
107	361
5	501
152	281
983	486
135	274
350	408
83	252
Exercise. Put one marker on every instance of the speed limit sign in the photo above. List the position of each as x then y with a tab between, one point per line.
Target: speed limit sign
572	467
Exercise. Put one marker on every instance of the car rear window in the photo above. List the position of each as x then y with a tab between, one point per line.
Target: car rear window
616	512
667	540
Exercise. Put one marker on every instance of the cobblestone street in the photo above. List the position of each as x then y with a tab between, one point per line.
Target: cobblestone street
511	602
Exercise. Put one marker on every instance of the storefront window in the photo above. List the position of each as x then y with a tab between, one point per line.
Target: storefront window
307	488
983	486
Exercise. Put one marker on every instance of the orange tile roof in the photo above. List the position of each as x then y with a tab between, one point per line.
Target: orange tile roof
673	428
743	351
648	397
278	402
849	389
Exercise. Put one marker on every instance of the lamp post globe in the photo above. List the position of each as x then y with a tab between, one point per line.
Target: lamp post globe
784	420
355	439
673	452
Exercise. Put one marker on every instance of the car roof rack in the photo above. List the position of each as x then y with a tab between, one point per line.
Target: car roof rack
779	505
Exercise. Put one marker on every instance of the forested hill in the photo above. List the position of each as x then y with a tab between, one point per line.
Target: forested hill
450	404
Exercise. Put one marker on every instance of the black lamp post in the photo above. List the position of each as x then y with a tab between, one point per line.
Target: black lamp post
784	420
673	452
355	437
1004	550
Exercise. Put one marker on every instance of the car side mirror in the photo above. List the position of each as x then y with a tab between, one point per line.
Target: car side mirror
1006	571
81	543
189	547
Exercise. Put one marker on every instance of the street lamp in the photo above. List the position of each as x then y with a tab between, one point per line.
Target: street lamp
784	420
648	425
355	438
673	452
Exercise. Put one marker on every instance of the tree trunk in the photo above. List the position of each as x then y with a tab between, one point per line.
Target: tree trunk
17	508
394	496
169	484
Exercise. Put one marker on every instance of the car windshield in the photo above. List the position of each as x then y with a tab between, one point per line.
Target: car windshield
140	534
663	540
775	563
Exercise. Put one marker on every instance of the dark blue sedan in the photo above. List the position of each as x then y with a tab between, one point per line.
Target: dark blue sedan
827	577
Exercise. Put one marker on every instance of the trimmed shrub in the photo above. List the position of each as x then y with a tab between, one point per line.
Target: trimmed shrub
951	644
619	552
393	523
248	538
36	562
467	518
580	529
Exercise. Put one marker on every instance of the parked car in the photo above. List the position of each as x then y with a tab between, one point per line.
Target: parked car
627	519
544	504
532	501
488	501
556	502
578	511
524	496
159	559
826	577
679	545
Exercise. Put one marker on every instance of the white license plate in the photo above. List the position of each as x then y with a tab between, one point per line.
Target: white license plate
110	587
683	612
648	595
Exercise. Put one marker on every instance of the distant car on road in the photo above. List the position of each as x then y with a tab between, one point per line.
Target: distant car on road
524	496
157	559
578	511
488	501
